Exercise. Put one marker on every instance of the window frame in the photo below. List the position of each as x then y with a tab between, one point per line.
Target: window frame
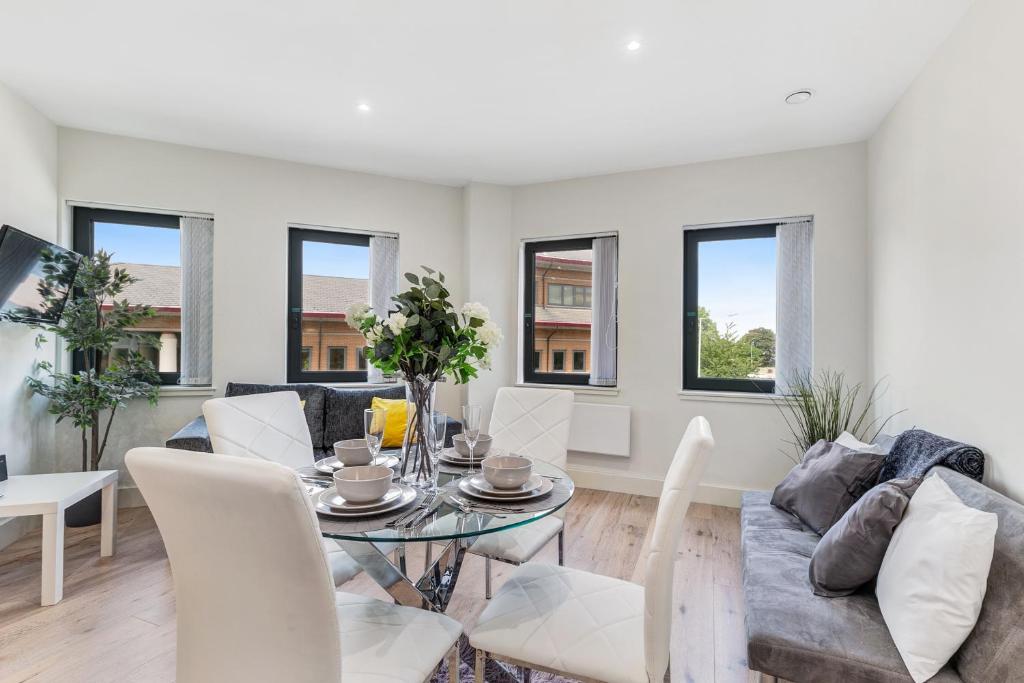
83	238
554	354
530	250
296	238
344	356
692	238
582	354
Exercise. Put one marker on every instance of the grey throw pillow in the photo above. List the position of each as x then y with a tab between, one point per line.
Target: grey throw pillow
851	553
829	480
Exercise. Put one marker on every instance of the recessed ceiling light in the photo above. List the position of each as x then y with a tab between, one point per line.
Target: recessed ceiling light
633	45
363	106
799	97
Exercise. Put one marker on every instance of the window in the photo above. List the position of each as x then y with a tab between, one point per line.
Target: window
328	273
569	295
730	308
336	358
148	247
561	284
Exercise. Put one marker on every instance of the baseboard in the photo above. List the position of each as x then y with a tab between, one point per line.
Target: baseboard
618	481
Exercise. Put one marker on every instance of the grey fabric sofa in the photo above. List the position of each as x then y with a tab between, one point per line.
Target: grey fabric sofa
332	414
798	636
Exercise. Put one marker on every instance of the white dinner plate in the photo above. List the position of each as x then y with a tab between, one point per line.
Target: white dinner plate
332	499
332	464
452	457
406	495
480	483
545	488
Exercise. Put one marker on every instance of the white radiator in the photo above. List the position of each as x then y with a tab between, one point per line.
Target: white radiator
600	428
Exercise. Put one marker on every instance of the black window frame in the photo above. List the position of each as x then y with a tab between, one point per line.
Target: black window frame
83	238
344	356
583	363
296	238
554	354
530	251
692	239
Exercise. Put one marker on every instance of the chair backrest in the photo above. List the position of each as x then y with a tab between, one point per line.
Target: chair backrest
684	474
255	598
532	422
266	426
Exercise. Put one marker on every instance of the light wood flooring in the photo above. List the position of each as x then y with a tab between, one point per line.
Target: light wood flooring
116	622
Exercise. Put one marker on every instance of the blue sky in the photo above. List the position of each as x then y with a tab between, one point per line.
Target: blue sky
161	247
737	282
139	244
338	260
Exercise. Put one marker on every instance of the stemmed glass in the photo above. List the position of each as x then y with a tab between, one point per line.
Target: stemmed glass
373	428
471	429
435	443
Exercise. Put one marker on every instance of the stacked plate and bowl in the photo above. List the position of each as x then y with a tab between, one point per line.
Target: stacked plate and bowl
363	485
506	478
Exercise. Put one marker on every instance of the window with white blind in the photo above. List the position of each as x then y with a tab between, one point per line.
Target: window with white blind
171	259
747	306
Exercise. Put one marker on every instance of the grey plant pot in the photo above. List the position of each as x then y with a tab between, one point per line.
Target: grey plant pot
86	512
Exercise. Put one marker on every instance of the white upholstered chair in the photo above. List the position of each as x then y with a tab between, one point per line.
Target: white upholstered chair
534	423
591	627
255	599
271	427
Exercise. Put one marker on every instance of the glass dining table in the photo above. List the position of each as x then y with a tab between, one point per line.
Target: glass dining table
448	516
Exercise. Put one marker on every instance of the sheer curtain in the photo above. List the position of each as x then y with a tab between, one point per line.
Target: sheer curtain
196	300
603	327
794	294
383	283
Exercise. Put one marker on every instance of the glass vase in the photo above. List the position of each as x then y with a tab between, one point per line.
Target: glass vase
417	468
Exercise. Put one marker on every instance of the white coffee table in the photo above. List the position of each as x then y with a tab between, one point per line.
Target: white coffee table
49	495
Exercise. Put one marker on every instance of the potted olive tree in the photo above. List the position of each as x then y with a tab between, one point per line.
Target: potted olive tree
93	324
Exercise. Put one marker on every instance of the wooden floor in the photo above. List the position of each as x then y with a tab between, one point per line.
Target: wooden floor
116	622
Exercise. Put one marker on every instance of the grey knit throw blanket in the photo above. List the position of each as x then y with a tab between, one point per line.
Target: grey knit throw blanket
917	451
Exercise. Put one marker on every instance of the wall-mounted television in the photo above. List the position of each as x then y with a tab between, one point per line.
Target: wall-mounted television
36	277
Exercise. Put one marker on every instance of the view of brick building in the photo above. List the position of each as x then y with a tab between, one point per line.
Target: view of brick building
562	298
562	330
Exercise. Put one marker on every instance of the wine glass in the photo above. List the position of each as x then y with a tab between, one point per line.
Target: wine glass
373	428
435	443
471	429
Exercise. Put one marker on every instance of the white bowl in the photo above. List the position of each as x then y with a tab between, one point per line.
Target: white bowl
483	444
352	452
506	471
363	483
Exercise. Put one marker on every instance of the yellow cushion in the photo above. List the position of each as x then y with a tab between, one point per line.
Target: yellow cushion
394	424
302	404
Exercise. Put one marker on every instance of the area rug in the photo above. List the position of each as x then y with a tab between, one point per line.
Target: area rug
495	672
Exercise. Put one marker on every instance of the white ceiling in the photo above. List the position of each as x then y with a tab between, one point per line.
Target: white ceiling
505	91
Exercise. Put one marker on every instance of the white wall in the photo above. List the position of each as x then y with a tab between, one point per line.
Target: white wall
946	178
649	209
28	200
489	267
253	200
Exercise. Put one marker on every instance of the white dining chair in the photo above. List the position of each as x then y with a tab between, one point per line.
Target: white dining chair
271	427
596	628
533	423
255	599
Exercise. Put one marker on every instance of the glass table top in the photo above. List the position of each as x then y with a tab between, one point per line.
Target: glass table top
450	521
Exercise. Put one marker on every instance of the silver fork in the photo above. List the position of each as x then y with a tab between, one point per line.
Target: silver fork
424	504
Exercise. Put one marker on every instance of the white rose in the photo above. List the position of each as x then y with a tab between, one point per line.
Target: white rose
485	362
374	335
358	313
489	333
476	310
396	323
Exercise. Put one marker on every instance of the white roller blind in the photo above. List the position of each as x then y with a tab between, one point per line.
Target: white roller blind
384	264
196	300
794	294
604	312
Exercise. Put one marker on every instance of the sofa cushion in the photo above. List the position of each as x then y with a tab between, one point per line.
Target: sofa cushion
343	416
829	480
992	650
313	394
793	633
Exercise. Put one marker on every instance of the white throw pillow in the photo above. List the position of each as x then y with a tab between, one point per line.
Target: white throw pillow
933	577
854	444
